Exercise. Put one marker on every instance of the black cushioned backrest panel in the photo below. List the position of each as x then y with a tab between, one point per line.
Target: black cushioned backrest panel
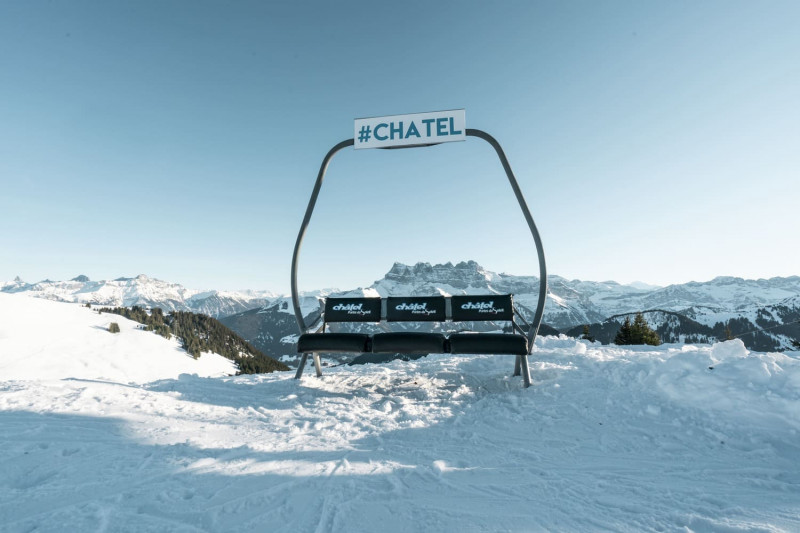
353	310
415	308
482	307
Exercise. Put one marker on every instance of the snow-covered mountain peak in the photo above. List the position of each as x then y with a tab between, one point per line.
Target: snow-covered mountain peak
144	291
462	275
10	286
641	285
726	280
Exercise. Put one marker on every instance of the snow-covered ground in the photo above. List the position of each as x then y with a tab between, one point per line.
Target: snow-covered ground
673	438
43	339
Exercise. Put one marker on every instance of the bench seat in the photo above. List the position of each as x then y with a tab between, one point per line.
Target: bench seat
408	342
383	345
414	343
334	343
490	343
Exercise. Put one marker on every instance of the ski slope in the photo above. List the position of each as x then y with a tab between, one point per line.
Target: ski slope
669	438
42	339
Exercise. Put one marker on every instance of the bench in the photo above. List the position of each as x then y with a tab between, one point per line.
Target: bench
517	342
454	309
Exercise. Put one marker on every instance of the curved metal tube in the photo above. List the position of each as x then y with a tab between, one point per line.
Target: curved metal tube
537	319
298	314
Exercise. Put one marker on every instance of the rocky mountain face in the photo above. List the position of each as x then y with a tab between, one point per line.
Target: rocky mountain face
145	292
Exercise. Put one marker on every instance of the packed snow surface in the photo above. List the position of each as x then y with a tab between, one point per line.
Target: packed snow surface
669	438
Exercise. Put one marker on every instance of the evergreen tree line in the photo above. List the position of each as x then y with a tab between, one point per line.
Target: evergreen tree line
200	333
637	332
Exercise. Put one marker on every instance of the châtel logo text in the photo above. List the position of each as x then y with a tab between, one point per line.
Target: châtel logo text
416	309
352	309
482	307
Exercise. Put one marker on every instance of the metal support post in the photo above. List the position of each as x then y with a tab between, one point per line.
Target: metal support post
526	375
317	365
301	366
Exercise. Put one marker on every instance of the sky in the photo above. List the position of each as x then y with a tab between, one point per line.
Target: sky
653	141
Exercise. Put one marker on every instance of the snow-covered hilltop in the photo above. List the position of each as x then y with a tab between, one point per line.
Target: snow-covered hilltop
42	339
142	291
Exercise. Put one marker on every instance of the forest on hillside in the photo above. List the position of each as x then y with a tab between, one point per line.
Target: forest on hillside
199	333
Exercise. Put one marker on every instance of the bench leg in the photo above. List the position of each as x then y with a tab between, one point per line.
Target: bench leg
526	375
517	370
317	365
301	366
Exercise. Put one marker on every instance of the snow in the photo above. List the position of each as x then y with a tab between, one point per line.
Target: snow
143	291
668	438
43	339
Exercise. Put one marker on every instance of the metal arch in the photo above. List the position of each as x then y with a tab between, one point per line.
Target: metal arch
537	319
298	314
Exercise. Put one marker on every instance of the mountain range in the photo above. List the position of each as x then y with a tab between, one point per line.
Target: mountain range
765	313
144	292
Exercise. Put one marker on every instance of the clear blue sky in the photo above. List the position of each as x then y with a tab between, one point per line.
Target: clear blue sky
654	141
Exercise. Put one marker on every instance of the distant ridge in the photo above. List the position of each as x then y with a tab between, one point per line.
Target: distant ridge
693	312
142	291
766	310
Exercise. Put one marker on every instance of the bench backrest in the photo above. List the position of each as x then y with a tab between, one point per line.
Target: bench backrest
353	310
416	308
482	307
469	308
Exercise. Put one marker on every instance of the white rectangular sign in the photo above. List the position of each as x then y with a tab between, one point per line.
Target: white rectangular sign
410	130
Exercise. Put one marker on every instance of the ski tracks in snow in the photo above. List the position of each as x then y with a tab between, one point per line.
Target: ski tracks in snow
606	439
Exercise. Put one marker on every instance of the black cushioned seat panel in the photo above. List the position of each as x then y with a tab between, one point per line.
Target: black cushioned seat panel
415	309
408	342
333	342
353	310
488	343
482	307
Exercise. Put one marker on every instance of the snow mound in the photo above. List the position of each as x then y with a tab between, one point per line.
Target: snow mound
733	349
44	339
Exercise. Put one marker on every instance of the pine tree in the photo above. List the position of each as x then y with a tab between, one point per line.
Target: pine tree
156	316
113	327
624	335
641	332
637	333
199	333
586	335
728	333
